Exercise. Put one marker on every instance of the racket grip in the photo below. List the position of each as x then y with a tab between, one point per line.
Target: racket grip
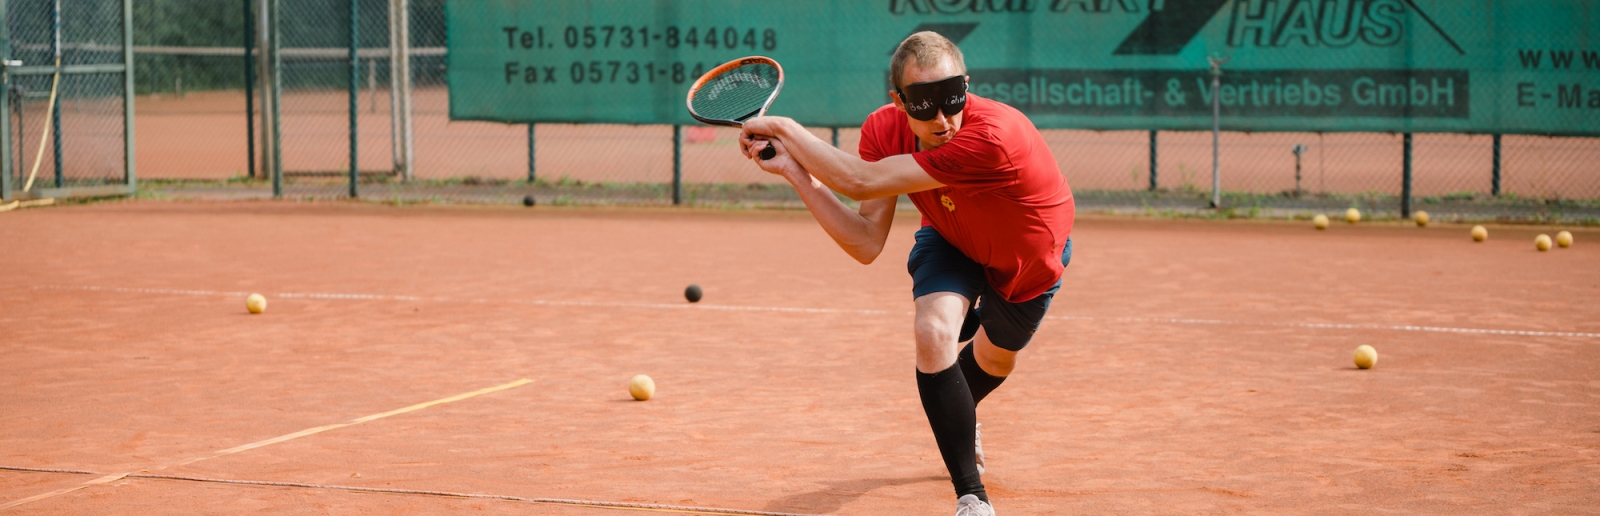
769	152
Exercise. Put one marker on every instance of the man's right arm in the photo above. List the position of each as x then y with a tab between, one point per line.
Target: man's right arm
861	234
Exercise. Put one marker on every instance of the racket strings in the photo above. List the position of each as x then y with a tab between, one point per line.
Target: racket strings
737	94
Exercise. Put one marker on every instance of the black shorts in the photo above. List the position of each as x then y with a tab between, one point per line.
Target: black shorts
937	266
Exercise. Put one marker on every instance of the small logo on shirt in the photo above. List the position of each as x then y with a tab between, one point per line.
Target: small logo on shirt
948	204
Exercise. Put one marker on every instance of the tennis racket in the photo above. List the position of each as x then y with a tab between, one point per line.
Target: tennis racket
736	91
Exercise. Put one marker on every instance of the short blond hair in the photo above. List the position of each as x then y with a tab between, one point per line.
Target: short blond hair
927	47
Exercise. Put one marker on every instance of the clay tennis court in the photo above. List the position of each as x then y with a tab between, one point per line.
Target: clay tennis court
1187	367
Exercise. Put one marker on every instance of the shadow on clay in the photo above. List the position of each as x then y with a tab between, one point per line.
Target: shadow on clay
829	499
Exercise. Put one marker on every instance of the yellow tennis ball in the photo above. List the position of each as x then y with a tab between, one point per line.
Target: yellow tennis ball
256	303
1422	219
1479	233
1352	215
1366	357
1541	242
1564	239
642	387
1320	221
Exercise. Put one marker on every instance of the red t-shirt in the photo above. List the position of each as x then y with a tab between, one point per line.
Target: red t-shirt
1005	203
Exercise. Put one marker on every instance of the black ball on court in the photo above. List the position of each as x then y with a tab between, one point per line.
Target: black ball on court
692	293
527	200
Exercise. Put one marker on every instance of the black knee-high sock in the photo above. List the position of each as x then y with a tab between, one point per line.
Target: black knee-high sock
980	382
951	414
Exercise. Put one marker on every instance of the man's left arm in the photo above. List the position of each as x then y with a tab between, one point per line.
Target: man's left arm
849	175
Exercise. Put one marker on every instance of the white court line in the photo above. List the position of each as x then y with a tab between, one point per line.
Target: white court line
287	437
539	302
598	504
682	306
1340	326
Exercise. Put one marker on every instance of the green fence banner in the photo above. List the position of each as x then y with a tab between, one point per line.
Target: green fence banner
1467	66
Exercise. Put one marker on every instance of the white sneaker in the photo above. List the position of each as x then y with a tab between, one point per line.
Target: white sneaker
977	446
970	505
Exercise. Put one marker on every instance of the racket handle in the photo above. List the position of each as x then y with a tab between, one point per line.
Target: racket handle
769	152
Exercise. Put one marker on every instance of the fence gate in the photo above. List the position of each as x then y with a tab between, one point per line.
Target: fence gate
68	112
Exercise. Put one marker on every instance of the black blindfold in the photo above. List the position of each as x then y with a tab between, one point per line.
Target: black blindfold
924	100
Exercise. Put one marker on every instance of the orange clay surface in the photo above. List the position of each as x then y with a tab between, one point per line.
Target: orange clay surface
1187	367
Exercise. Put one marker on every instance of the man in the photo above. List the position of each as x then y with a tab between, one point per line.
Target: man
995	236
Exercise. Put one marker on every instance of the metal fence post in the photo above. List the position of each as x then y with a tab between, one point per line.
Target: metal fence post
408	138
130	172
21	100
394	88
55	111
249	91
275	70
1494	188
264	77
5	108
1216	131
1299	152
6	151
355	95
532	175
1405	181
677	164
1153	183
400	85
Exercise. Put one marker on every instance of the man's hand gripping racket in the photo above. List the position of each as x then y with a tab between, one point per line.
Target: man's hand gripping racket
736	91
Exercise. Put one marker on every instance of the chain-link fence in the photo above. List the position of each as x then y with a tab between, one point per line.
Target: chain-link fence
65	98
1453	175
193	126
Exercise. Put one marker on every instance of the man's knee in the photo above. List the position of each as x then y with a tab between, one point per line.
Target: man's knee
935	333
940	314
938	323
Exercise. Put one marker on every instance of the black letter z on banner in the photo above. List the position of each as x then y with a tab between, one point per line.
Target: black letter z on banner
1167	31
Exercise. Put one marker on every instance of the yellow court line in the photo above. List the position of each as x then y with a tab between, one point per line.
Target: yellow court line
310	431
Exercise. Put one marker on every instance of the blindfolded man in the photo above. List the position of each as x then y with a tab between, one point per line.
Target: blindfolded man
996	229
